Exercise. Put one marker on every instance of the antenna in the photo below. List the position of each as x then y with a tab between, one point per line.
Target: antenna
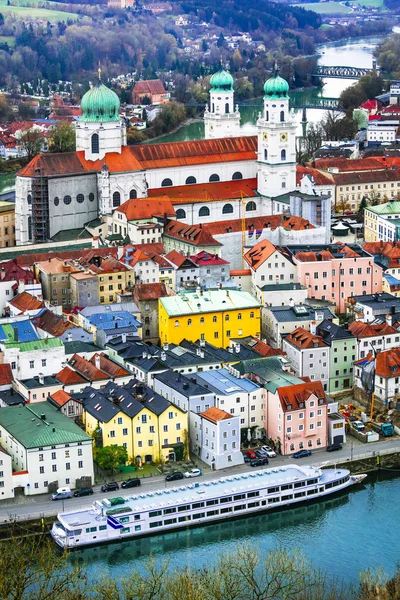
99	71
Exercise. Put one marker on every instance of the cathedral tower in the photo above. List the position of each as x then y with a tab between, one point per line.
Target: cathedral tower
100	129
221	119
276	160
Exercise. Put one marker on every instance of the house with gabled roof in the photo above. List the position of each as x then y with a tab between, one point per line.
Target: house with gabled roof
309	355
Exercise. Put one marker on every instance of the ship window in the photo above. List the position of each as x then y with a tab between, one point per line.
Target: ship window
328	486
124	520
77	532
213	177
169	521
299	484
226	499
253	504
91	197
169	511
273	500
80	198
239	497
211	502
166	182
183	507
312	481
56	201
125	530
155	524
287	486
182	519
155	513
253	494
102	527
273	490
290	497
310	492
240	507
91	529
138	527
95	143
67	199
299	494
226	510
197	505
199	516
211	513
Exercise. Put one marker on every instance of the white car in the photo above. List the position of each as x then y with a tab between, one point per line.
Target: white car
193	473
270	453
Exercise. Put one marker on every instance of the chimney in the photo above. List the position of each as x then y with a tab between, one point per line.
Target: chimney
202	343
165	347
163	356
389	320
313	327
43	417
69	337
97	361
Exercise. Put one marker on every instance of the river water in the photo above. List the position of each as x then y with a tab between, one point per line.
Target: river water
344	535
355	53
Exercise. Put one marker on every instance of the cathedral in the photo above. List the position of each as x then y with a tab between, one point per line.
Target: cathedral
210	177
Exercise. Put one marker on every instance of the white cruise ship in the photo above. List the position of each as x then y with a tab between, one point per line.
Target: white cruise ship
114	519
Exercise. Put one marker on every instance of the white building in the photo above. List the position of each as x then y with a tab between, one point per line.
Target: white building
187	394
382	131
46	444
336	424
215	438
221	118
6	475
308	354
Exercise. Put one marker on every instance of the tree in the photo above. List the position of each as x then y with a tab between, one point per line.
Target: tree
221	40
336	127
360	212
31	142
110	458
62	137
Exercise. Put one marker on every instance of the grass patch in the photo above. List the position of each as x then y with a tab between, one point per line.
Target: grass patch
373	3
38	14
7	39
326	8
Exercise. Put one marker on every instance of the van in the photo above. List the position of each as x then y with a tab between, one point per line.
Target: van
61	494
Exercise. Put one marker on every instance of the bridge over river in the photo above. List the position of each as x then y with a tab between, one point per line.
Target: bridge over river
341	72
322	103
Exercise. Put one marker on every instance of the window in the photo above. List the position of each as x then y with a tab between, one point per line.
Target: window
116	199
91	197
190	180
80	198
166	182
239	316
132	194
56	201
251	206
283	154
204	211
227	209
31	364
95	143
67	200
213	177
282	116
180	214
265	154
112	433
237	175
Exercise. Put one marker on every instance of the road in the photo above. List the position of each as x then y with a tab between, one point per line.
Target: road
37	506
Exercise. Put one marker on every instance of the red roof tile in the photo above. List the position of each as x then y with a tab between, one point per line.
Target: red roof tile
6	376
52	323
365	330
147	208
68	377
87	369
61	397
208	192
177	258
303	339
149	291
108	366
348	165
31	259
192	234
149	86
319	178
291	395
25	302
366	177
388	363
205	259
259	223
11	271
259	253
237	272
215	414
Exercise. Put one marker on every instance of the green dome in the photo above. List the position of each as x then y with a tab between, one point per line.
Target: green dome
100	105
221	82
276	87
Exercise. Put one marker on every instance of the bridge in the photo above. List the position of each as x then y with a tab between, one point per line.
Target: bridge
321	103
341	72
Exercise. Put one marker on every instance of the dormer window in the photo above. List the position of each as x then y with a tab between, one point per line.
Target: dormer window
289	407
301	404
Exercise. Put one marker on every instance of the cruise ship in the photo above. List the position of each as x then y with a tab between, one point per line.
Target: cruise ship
159	511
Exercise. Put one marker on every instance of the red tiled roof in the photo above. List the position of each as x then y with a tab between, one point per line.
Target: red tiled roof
25	301
366	177
147	208
52	323
61	397
215	414
319	178
322	255
11	271
149	86
390	250
303	339
192	234
31	259
259	253
87	369
6	376
208	192
149	291
348	165
237	272
259	223
68	377
388	363
291	395
108	366
204	259
365	330
177	258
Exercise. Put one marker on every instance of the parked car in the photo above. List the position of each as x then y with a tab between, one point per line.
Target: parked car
269	452
246	458
110	487
258	462
174	476
193	473
83	492
302	453
61	494
251	454
134	482
333	447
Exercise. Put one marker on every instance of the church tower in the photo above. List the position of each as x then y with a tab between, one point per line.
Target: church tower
221	118
100	129
276	160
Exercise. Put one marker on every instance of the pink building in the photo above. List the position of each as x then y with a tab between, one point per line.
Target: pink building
296	417
337	272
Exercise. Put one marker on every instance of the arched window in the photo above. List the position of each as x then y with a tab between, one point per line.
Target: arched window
227	209
202	321
227	108
267	115
166	183
214	177
239	316
282	116
283	184
189	322
180	214
147	333
226	317
56	201
237	175
147	320
30	228
250	206
95	143
265	154
283	154
251	315
29	199
91	197
132	194
214	319
116	199
67	200
80	198
204	211
190	180
177	323
213	107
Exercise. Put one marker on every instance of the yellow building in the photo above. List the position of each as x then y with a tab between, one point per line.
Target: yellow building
215	316
113	277
381	222
7	224
151	428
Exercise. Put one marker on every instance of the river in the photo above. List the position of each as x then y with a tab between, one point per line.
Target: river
344	535
355	53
